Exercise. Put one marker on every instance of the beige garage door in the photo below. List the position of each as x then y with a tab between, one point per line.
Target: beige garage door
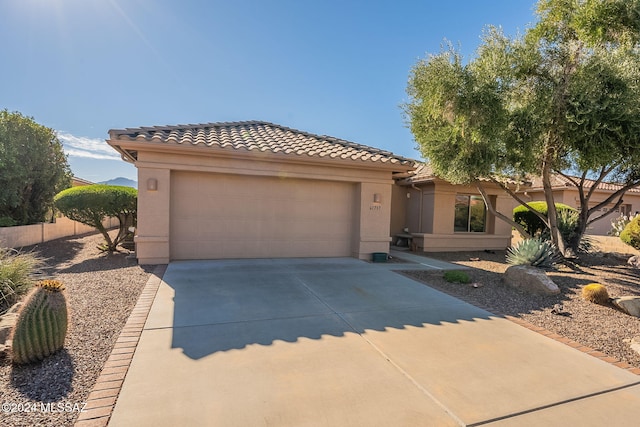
233	216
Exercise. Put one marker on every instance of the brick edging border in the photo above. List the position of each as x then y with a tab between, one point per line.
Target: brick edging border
104	394
571	343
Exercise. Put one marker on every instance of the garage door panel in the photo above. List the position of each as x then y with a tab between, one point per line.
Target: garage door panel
226	216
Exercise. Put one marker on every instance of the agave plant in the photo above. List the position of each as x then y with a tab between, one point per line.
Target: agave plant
535	252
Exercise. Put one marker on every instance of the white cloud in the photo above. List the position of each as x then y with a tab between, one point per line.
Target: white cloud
93	148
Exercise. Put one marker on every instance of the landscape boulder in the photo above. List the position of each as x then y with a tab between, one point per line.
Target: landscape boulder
7	322
634	261
530	279
630	305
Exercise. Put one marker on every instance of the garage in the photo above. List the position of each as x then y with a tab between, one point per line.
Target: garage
259	217
257	190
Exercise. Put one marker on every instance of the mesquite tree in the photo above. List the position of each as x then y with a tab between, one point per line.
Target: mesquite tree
91	204
562	98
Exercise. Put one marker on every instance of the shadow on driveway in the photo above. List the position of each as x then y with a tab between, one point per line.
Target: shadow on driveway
216	306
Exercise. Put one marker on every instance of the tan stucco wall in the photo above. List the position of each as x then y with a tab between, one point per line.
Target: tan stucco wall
370	231
152	232
372	234
398	210
26	235
433	225
570	196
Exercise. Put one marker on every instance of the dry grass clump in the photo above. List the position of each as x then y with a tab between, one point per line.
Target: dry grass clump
595	293
16	275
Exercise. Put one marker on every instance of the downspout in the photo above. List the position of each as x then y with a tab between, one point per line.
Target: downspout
421	203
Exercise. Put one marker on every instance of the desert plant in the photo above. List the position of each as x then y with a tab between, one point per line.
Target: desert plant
456	276
91	204
16	275
567	225
535	252
618	224
596	293
631	233
530	221
41	326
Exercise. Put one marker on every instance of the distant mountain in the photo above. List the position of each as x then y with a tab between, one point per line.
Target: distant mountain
121	181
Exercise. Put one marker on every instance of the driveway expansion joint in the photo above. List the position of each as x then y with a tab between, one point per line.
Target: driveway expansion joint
387	358
552	405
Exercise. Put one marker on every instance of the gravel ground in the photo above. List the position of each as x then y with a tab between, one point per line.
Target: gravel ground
102	289
600	327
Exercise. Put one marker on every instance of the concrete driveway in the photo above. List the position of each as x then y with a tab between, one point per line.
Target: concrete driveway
341	342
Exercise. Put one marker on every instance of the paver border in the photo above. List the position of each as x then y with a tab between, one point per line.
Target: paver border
104	394
571	343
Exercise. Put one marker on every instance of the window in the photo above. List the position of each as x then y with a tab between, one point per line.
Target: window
471	214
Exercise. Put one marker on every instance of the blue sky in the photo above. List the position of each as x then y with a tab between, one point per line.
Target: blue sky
332	67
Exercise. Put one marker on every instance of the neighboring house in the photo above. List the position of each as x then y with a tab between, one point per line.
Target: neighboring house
435	215
77	182
564	191
257	190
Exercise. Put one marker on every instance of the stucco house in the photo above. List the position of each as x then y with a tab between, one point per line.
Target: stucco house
564	191
435	215
256	189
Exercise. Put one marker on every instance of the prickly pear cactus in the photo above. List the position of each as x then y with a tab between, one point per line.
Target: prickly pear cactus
42	323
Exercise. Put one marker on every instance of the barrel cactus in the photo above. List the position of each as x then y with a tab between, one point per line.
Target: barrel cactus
535	252
41	326
596	293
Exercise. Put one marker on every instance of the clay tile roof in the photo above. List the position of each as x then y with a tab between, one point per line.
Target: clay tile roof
424	173
260	136
559	181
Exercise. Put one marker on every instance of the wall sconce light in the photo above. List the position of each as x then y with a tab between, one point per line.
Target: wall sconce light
152	184
377	197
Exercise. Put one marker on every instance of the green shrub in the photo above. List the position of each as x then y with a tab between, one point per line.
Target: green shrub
456	276
6	221
530	222
16	272
535	252
91	204
567	224
631	233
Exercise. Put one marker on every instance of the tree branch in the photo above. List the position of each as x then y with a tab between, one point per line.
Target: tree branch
603	173
616	206
503	217
520	200
618	193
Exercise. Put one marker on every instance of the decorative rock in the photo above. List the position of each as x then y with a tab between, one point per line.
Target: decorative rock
7	322
635	344
530	279
630	305
634	261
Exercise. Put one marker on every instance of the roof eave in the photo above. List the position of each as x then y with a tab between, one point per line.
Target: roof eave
129	151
